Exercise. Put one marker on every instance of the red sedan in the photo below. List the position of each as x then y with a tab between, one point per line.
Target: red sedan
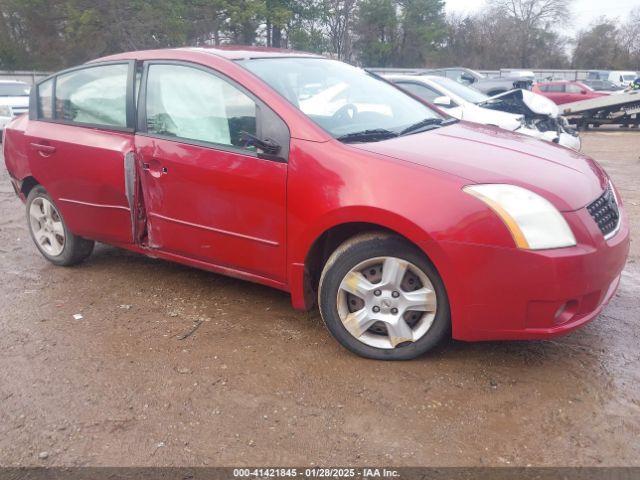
566	92
322	180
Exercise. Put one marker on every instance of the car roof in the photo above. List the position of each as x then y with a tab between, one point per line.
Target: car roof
233	52
420	78
229	52
13	82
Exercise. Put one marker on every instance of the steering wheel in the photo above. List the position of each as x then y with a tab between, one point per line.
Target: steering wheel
346	113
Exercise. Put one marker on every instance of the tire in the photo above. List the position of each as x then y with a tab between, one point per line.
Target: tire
359	257
50	233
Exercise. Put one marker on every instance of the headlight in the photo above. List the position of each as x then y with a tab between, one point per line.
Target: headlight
533	221
5	111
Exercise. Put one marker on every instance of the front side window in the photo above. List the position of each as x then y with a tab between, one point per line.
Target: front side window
421	91
556	88
571	88
192	104
340	98
466	93
93	95
45	104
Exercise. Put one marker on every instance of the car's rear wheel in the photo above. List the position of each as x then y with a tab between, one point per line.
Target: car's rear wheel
382	298
50	234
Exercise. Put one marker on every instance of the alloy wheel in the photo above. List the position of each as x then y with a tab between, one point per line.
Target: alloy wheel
47	227
386	302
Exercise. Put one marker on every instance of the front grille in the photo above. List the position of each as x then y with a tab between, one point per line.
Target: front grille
605	212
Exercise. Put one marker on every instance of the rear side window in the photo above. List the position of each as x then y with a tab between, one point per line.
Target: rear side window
93	95
45	103
193	104
543	88
573	89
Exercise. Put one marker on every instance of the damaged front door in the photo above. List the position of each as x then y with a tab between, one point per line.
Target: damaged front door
210	193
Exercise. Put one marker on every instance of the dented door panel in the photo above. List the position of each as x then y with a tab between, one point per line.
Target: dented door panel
220	207
84	171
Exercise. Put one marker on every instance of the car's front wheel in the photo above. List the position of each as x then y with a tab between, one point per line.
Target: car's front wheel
382	298
50	234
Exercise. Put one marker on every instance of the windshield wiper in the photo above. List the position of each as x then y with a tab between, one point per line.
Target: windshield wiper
372	135
427	124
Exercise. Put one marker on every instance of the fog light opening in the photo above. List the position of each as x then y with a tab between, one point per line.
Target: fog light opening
566	311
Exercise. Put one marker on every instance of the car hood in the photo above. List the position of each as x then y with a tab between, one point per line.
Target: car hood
522	102
484	154
487	116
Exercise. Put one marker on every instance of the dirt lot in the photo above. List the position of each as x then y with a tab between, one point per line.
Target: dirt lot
259	383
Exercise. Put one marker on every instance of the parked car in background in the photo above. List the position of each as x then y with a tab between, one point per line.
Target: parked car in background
561	92
508	111
403	223
487	85
540	115
14	100
622	78
598	74
603	86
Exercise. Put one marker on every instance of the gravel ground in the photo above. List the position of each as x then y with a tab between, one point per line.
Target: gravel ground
261	384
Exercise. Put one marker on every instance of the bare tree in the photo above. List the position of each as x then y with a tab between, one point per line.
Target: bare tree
530	17
630	38
338	17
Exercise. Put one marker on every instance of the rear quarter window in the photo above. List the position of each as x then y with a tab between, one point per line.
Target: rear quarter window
45	100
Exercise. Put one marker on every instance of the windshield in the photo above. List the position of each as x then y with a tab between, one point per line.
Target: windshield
341	99
14	90
464	92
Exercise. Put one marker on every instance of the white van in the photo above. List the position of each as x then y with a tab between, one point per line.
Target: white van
622	79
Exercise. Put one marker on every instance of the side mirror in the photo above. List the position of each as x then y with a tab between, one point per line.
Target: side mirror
583	92
442	101
267	146
467	78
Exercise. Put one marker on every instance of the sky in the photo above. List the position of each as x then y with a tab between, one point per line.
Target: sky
584	11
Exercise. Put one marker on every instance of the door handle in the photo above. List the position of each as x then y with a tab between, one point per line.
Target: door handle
44	150
155	168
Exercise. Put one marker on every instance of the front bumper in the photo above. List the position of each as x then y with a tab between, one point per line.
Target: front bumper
563	138
512	294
